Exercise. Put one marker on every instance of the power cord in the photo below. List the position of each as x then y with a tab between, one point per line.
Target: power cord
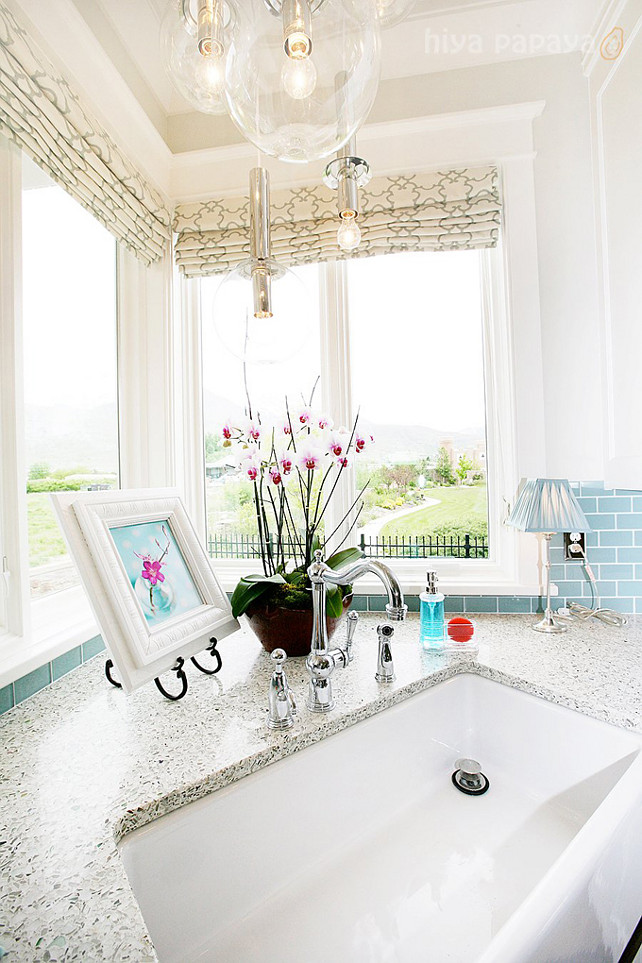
582	612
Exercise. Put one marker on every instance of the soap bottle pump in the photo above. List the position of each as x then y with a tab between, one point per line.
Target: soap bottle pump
431	615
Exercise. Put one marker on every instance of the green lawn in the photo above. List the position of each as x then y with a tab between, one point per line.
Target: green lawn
46	543
458	509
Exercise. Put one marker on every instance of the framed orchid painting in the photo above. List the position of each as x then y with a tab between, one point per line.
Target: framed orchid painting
148	579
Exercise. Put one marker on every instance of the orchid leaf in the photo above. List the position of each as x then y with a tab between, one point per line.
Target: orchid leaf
334	602
345	557
250	588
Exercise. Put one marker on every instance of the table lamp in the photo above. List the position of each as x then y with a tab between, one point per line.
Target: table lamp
547	506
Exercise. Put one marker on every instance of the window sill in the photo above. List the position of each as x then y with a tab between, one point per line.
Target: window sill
59	623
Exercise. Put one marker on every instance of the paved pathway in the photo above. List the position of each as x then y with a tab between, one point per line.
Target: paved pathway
372	529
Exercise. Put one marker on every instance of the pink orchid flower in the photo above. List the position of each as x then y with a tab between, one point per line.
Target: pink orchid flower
152	571
251	466
227	432
286	428
343	462
338	442
285	461
361	441
253	431
309	457
304	416
324	422
275	475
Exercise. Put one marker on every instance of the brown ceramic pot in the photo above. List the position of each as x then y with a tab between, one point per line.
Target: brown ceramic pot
289	629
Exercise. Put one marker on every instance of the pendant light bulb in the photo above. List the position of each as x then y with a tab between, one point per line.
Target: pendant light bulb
349	235
210	28
297	33
299	78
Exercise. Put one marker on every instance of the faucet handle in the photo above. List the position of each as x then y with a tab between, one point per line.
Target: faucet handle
282	706
385	666
351	628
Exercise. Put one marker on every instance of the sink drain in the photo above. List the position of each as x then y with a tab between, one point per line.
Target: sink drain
469	778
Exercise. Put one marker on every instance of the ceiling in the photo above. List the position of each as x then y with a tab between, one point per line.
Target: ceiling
439	35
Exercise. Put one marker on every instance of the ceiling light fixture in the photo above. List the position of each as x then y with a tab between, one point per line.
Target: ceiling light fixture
391	12
192	36
302	75
346	174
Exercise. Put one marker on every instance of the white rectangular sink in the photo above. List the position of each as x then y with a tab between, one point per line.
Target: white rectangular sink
359	849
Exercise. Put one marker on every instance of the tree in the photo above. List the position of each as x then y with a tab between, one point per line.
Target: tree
213	445
39	469
464	465
443	469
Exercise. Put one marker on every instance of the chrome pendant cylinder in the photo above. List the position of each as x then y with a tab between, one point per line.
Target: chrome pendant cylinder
262	291
210	28
347	194
297	29
259	214
260	242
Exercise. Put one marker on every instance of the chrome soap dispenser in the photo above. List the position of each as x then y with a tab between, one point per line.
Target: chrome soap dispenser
431	615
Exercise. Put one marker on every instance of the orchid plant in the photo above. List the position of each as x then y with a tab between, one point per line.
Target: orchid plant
294	467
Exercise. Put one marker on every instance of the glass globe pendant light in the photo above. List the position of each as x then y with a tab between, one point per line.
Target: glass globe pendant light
302	75
391	12
192	39
346	174
261	308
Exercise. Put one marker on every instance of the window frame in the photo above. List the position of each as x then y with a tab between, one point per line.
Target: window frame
508	556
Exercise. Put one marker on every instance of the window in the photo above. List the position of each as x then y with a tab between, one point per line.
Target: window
414	365
417	369
231	520
70	365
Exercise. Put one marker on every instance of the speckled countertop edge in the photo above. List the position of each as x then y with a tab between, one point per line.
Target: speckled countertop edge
86	764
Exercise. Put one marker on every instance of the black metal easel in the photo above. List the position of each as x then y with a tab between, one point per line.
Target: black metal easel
178	669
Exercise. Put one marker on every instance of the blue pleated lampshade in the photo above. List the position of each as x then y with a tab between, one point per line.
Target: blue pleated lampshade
548	505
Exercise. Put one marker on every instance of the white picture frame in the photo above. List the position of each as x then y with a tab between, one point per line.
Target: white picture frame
147	576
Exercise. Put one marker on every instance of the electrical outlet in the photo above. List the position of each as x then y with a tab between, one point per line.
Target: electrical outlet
574	546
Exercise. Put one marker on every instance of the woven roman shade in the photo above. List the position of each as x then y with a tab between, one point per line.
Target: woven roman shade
41	113
429	211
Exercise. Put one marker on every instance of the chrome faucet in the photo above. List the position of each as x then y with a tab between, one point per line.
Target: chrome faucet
322	660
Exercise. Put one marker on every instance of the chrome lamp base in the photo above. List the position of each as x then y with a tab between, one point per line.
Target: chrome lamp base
548	624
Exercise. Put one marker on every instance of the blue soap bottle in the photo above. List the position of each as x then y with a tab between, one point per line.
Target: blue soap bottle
431	615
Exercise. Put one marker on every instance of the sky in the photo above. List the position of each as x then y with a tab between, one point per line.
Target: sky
416	343
69	311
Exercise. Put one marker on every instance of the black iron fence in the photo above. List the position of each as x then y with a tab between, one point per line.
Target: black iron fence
236	545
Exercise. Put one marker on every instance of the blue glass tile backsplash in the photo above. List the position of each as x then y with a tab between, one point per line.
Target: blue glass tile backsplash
614	550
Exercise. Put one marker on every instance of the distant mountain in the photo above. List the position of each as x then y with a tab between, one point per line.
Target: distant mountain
398	442
65	436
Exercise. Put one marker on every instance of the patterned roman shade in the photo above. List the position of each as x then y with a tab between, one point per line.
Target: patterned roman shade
41	113
429	211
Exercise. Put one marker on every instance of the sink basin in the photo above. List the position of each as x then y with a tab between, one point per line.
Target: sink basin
359	849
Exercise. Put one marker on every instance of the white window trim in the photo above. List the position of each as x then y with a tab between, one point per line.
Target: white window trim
36	632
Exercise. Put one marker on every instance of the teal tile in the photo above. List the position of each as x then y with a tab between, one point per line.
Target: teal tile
65	663
518	604
626	491
625	589
454	604
591	539
630	554
592	488
598	555
628	521
625	605
557	555
377	603
480	603
569	589
616	572
614	503
92	648
616	538
31	683
638	538
638	571
6	699
637	504
360	603
589	504
412	601
602	522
